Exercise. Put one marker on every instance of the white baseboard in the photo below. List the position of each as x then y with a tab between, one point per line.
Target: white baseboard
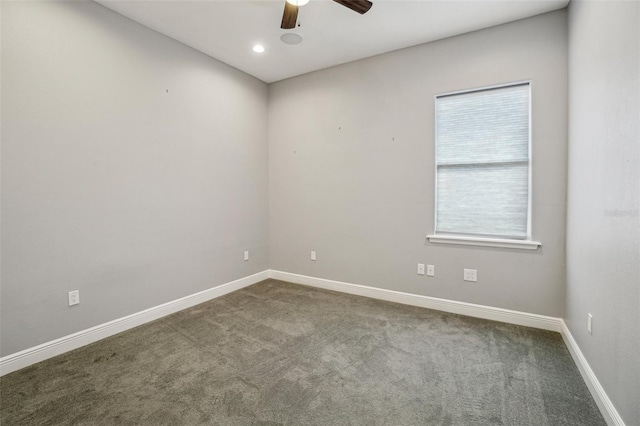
64	344
462	308
605	405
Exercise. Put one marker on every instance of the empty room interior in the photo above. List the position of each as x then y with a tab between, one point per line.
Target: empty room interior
340	212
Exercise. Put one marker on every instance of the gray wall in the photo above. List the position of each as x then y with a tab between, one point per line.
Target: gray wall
351	168
603	223
135	170
110	184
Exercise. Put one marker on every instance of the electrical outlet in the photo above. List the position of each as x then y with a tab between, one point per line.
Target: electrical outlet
471	275
420	268
246	255
431	270
313	255
74	297
589	320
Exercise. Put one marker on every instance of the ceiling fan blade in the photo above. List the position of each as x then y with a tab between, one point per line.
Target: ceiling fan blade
360	6
289	17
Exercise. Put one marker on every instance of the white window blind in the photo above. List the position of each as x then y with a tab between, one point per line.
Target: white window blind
482	162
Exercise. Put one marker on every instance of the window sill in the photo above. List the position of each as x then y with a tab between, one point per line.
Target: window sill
486	242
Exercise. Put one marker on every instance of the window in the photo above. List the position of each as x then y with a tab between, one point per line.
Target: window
483	164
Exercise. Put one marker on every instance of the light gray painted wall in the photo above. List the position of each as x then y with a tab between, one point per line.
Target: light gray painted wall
603	223
351	168
110	184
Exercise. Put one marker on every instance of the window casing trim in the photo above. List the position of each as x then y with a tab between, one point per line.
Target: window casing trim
486	242
470	239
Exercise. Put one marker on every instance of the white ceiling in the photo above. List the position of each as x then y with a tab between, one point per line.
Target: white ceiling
333	34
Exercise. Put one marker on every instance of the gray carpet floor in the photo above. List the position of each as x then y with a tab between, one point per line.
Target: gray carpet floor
278	353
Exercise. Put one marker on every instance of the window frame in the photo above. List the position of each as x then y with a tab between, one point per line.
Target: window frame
525	242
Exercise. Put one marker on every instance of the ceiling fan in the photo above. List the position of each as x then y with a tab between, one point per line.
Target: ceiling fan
290	15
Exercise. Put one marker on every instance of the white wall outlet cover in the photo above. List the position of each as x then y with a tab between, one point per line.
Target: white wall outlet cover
589	322
431	270
471	275
313	255
74	297
246	255
420	268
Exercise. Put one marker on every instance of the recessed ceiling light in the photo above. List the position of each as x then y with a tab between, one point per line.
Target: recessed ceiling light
298	2
258	48
291	38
